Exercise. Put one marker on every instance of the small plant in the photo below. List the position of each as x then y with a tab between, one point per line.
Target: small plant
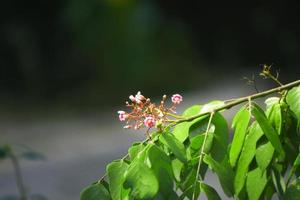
14	153
260	161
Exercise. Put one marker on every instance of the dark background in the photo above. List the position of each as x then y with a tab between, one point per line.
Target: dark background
89	54
67	66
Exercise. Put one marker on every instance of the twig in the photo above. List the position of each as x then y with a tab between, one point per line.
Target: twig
202	153
242	100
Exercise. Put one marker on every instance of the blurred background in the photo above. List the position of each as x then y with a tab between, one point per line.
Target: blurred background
66	67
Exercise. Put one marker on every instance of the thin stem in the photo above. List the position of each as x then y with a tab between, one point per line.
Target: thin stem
18	175
242	100
175	116
275	79
202	153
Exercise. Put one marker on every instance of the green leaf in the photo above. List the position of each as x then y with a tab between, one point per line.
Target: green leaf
211	106
256	182
95	192
267	129
191	111
197	142
210	192
135	149
224	172
141	180
181	131
220	142
177	167
293	100
175	145
263	155
188	185
161	165
247	155
278	182
271	101
239	124
293	191
275	117
115	173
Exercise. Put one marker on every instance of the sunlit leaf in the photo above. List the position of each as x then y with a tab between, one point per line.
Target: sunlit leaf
181	131
211	106
271	101
247	155
161	165
197	142
221	137
256	182
95	192
191	111
275	117
141	180
177	167
239	124
115	173
176	146
263	155
135	149
267	129
293	100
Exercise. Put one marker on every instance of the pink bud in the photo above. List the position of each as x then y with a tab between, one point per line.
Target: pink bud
176	98
149	121
139	96
132	98
122	115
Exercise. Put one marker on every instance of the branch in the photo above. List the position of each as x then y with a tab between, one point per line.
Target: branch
242	100
225	107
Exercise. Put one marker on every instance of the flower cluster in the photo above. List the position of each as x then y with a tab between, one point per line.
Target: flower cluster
144	113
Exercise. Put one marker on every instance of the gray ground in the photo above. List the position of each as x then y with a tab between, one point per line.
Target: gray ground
79	147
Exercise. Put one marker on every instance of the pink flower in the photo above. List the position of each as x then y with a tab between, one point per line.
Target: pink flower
122	115
176	98
149	121
132	98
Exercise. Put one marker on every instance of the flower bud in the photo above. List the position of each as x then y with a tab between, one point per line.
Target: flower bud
177	98
122	115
